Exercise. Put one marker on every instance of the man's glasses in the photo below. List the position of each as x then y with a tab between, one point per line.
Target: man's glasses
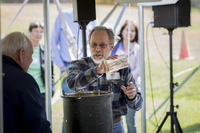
102	45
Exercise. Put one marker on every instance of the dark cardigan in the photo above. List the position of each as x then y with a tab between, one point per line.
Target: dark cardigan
42	58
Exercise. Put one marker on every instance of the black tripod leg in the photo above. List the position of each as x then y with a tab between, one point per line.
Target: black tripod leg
159	128
177	125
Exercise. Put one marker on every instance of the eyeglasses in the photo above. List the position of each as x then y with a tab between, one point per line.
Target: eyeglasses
37	32
102	45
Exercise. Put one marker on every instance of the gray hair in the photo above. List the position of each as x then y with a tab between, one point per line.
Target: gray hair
36	24
14	42
108	30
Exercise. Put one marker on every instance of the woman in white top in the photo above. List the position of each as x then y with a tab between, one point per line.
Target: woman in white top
122	48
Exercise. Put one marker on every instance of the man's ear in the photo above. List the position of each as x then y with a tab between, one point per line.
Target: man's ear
21	55
112	46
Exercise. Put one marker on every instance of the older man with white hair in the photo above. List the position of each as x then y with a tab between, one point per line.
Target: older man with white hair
22	107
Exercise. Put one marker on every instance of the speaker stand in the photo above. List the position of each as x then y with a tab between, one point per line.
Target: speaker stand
172	113
83	28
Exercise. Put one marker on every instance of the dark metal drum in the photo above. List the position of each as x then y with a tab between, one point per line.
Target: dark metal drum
88	112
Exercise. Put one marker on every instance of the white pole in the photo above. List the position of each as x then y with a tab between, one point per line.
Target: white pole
142	67
129	12
48	73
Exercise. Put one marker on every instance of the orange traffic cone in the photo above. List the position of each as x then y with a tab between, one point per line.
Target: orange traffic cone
185	52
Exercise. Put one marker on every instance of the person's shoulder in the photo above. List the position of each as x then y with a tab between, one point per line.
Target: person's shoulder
14	71
117	44
137	45
115	48
125	70
20	80
68	11
20	76
27	78
42	47
29	83
83	59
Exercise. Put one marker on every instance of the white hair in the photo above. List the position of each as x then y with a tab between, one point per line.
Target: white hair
14	42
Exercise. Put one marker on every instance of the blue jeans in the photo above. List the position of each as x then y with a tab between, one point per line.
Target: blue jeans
118	127
131	121
66	90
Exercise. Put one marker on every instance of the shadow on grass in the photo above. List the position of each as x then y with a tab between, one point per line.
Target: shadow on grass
190	129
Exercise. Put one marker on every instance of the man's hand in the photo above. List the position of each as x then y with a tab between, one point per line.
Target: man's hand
101	67
63	68
130	90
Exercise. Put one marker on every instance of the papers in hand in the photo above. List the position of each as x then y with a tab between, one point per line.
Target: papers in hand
117	64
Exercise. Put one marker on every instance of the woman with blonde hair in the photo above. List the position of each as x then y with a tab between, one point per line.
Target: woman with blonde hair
131	49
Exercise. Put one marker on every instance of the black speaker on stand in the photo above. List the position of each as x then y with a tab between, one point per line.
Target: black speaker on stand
84	12
170	17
